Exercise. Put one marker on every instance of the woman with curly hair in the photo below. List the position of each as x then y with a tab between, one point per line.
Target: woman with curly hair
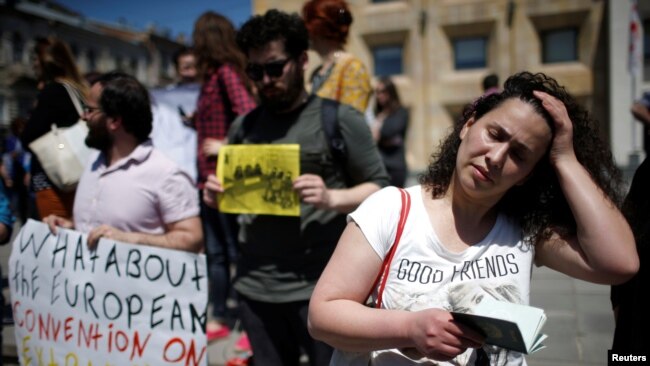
523	180
341	76
54	66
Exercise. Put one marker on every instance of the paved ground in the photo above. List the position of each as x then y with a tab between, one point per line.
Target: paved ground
580	324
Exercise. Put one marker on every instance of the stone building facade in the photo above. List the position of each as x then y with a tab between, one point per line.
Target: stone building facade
437	51
96	46
446	47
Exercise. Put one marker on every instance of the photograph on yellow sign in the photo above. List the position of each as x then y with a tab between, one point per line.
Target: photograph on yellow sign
257	179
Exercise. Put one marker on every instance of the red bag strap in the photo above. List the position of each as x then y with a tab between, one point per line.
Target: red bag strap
385	267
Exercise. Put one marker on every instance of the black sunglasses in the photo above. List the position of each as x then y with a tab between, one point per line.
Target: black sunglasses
273	69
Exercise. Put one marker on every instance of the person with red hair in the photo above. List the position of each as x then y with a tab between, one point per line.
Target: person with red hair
341	76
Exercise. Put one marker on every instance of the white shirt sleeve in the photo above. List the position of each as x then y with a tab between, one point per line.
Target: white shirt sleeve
377	217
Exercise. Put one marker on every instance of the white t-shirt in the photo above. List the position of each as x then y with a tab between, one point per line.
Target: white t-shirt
424	274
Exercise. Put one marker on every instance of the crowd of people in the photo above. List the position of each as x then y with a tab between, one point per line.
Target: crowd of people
523	175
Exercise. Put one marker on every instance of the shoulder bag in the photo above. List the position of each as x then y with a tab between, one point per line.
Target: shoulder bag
62	151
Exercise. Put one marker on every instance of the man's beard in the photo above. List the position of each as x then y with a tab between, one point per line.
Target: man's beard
283	101
99	138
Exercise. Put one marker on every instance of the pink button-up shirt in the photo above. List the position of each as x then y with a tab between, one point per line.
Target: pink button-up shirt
140	193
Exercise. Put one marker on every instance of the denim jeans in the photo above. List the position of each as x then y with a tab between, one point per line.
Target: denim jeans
220	233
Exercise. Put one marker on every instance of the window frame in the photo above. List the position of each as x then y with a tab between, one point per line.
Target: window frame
576	38
481	65
387	46
17	47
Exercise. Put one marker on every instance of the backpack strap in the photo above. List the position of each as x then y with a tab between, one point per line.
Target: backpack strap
382	276
329	117
246	125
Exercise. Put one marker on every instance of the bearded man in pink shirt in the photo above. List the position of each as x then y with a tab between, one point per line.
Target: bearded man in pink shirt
130	191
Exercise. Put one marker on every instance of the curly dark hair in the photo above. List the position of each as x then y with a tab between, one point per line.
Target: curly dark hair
539	203
124	96
274	25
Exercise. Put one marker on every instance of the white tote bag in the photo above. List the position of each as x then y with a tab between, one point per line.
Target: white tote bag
62	151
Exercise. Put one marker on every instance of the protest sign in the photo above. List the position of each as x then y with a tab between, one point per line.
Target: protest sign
121	304
258	179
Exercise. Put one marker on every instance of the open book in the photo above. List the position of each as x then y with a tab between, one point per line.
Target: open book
513	326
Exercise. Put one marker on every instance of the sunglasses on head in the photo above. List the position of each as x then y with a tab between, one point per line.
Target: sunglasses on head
273	69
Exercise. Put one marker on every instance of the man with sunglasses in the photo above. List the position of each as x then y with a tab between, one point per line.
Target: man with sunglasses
282	257
130	191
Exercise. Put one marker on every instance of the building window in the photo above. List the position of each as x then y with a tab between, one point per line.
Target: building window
74	49
646	40
388	60
470	53
119	63
92	60
25	105
133	65
560	45
646	49
17	47
164	64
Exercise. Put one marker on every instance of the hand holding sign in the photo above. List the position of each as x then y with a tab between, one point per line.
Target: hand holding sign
128	303
53	221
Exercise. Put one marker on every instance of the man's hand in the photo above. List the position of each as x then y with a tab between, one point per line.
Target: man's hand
211	189
212	146
53	221
311	189
640	112
108	232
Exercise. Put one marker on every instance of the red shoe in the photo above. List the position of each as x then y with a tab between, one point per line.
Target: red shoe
242	344
237	362
214	335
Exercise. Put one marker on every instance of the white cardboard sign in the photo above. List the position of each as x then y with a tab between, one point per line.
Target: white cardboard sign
122	304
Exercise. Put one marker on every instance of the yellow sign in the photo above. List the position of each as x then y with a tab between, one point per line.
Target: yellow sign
258	179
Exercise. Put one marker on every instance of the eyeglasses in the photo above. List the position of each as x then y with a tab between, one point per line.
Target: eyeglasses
273	69
89	109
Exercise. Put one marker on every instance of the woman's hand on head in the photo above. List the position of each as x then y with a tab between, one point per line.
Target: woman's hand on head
562	144
438	337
